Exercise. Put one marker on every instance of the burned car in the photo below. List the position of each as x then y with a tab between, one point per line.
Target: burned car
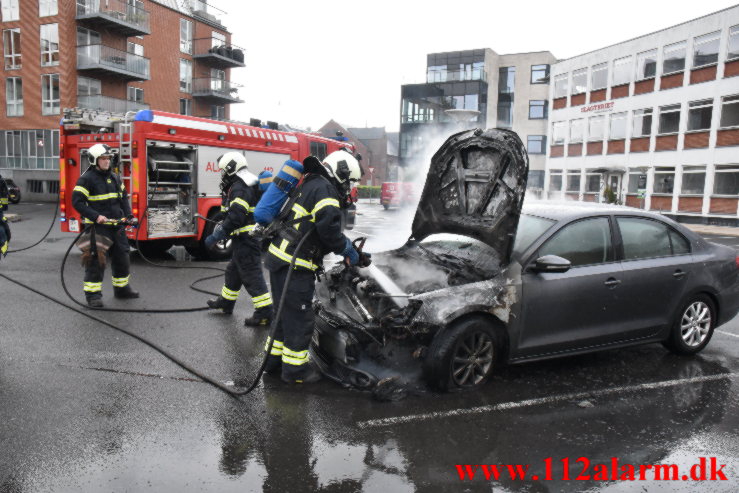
461	296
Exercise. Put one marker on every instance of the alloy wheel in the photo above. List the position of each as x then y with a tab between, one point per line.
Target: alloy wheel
472	360
695	324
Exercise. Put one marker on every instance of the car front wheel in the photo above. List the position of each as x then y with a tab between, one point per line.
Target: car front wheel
462	356
693	326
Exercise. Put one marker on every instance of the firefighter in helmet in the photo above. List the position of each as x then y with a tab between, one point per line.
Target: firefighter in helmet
4	226
102	200
240	192
316	212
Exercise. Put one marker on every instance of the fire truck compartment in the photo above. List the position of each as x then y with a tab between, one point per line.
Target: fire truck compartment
171	201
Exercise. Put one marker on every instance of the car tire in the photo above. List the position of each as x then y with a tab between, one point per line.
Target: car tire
386	206
693	326
463	355
16	199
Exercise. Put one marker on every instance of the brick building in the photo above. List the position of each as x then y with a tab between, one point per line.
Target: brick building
108	55
652	122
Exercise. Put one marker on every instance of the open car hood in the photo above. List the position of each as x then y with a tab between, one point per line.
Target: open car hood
475	187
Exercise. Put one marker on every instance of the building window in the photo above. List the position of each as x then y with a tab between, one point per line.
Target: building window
580	81
730	111
14	96
726	180
599	76
596	128
135	48
694	180
560	86
555	180
540	74
573	181
318	149
185	75
733	51
88	87
646	64
642	123
35	186
592	182
673	58
505	114
186	36
669	119
699	114
136	94
47	7
49	44
506	80
618	126
12	48
621	71
52	186
705	49
186	107
11	10
664	180
576	130
537	144
50	94
217	112
559	129
538	109
634	177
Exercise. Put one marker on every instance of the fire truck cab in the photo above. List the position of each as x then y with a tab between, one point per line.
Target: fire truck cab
169	166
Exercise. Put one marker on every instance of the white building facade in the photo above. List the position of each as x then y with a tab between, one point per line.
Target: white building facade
652	122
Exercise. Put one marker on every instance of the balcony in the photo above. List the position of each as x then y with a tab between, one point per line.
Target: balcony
216	90
217	54
104	60
455	75
116	15
106	103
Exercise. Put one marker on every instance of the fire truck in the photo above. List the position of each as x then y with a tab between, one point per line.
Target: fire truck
169	166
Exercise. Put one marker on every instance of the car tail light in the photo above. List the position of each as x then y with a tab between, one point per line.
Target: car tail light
135	204
62	203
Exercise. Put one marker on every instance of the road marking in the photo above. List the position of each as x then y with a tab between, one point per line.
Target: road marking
727	333
378	423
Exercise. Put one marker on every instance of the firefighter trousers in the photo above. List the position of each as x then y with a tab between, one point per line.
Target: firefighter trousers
295	328
245	269
120	263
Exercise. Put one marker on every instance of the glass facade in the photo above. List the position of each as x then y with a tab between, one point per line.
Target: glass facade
29	149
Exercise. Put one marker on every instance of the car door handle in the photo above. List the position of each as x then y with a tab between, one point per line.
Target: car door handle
679	274
612	282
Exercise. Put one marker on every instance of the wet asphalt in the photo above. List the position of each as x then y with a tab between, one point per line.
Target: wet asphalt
86	408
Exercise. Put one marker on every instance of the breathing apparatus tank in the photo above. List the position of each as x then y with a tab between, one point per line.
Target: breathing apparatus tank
265	179
277	193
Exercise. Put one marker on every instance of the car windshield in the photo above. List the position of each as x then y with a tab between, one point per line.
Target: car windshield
529	229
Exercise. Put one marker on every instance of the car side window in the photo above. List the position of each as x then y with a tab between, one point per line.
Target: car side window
583	242
647	238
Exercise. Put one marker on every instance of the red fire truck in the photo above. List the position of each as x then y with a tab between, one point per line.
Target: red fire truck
168	164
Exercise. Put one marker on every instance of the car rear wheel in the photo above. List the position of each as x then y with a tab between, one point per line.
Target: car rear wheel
693	326
462	356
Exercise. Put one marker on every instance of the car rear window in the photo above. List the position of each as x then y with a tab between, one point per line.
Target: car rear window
529	229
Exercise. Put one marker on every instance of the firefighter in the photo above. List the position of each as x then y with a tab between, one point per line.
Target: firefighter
319	203
102	200
245	268
4	226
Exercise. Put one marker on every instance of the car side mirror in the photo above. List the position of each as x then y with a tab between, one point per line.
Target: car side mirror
551	263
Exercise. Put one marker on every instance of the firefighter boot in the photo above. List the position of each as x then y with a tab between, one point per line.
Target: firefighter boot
95	302
226	305
310	374
260	318
125	292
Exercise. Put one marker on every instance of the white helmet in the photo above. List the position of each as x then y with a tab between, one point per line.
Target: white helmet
343	166
97	151
231	162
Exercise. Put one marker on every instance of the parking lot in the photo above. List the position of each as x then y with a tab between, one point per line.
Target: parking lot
86	408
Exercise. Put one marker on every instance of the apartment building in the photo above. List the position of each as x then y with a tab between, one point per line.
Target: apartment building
105	55
504	91
652	122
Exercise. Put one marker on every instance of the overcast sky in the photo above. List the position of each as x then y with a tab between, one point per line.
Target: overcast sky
310	61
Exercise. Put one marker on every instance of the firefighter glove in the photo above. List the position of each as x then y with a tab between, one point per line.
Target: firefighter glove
217	235
350	253
132	220
365	259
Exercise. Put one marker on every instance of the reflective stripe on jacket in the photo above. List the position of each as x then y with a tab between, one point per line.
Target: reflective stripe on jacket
100	193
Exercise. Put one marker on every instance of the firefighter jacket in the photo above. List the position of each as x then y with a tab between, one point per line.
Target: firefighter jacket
5	236
100	193
238	206
318	202
3	197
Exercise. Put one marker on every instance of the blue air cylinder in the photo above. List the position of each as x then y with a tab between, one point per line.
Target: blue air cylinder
265	179
278	191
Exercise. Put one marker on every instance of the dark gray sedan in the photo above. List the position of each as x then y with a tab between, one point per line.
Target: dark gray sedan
483	281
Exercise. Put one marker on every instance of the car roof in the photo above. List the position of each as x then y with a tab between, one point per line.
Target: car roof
565	210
